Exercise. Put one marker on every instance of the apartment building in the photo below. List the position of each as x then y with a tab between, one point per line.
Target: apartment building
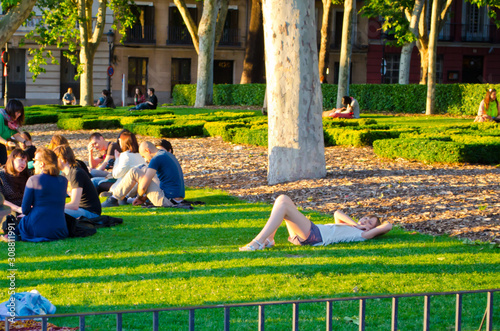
158	52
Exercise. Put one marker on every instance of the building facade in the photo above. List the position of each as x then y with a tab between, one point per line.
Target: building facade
158	52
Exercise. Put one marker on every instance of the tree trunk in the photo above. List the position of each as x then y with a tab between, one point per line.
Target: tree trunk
431	79
423	49
325	40
87	77
221	20
407	50
206	33
190	24
253	66
404	63
345	51
296	147
14	18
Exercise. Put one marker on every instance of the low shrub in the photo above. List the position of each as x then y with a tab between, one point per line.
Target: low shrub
37	118
249	136
87	124
358	137
168	131
221	129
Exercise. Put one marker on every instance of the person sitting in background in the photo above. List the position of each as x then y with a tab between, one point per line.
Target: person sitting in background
13	178
43	201
162	182
304	232
351	109
164	144
69	98
107	101
29	148
105	151
139	97
152	102
489	108
84	200
58	140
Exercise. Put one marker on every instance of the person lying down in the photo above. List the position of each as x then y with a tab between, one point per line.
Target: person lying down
304	232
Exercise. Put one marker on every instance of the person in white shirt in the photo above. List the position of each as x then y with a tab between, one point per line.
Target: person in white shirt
304	232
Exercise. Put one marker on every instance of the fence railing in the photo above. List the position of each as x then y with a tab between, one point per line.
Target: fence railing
487	319
469	33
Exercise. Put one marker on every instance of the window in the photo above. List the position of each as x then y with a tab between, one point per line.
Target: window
475	23
178	33
231	32
223	72
68	72
439	69
143	30
137	74
181	72
16	80
392	69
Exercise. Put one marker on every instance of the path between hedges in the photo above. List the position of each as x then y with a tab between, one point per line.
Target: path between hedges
460	200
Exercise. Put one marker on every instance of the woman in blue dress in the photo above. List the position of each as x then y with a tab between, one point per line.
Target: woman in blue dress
43	201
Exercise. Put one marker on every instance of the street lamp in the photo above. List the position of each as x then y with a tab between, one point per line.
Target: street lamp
110	37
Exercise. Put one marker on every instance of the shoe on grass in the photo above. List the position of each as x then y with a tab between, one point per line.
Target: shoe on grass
123	202
105	194
110	202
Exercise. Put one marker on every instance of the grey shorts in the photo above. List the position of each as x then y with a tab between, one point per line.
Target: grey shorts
313	238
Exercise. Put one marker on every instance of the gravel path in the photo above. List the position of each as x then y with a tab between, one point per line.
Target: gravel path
458	200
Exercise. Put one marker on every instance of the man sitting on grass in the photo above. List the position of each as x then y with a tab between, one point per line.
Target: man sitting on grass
162	181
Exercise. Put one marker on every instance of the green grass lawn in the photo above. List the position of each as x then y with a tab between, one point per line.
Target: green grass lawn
168	257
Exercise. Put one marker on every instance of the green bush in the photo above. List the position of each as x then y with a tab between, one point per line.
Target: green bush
358	137
168	131
221	129
37	118
248	136
87	124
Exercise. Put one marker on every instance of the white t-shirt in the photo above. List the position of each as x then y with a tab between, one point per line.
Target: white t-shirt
336	233
354	108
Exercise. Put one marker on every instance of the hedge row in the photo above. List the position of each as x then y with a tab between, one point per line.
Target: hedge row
458	99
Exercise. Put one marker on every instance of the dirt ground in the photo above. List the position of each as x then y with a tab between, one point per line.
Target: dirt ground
459	200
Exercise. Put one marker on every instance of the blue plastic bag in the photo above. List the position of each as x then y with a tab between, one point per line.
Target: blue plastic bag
25	304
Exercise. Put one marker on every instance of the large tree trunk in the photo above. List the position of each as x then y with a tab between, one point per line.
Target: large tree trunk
206	33
345	51
296	147
431	79
253	66
407	50
87	77
221	20
325	40
14	18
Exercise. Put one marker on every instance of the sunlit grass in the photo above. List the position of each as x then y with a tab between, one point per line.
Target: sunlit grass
170	257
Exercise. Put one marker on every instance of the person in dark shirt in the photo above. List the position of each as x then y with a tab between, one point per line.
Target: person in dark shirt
28	148
84	199
152	102
162	181
107	100
13	178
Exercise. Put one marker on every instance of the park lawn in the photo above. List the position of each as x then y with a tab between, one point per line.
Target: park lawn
169	257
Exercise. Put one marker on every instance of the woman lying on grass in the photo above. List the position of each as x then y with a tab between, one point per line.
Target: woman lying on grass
304	232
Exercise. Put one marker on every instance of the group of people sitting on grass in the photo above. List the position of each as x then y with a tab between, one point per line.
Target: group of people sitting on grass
147	174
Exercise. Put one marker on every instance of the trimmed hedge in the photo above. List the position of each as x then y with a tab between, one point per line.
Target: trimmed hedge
87	124
168	131
248	136
457	99
221	129
358	138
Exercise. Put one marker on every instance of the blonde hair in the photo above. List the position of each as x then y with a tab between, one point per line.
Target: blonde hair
49	158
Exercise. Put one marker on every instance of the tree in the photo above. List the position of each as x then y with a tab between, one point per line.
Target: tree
72	25
296	147
325	39
205	38
16	12
345	50
253	66
431	79
405	60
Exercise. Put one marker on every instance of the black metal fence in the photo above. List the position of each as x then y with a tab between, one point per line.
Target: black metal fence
487	321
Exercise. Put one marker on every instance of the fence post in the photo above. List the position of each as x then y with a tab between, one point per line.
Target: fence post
328	316
295	322
156	321
362	306
489	316
7	324
191	319
82	323
394	323
262	318
226	319
118	322
427	310
44	324
458	313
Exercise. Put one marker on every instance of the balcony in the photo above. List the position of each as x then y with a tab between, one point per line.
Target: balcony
486	33
179	35
141	35
230	37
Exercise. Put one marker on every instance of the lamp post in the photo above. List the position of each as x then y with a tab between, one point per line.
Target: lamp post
383	65
110	37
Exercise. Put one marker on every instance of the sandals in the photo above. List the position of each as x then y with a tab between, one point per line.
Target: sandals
251	246
257	246
269	243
